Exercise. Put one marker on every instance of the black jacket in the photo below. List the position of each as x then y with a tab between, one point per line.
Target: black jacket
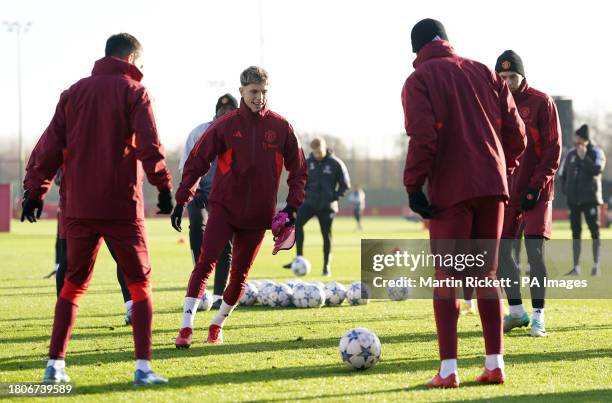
328	180
581	179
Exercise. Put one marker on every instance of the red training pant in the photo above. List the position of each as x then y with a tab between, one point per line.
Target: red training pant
218	232
84	238
479	218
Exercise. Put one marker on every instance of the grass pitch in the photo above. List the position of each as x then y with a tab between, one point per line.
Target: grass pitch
285	354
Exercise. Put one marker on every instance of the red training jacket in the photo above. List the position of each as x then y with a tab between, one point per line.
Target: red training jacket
541	159
104	133
252	148
465	133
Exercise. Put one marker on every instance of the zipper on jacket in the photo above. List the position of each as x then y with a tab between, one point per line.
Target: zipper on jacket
248	197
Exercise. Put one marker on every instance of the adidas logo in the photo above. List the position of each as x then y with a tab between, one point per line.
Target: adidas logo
237	134
189	311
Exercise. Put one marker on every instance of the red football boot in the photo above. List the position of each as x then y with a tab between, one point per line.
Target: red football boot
492	376
184	338
215	334
451	381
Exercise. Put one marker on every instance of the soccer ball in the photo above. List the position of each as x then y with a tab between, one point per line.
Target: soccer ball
206	301
335	293
355	291
360	348
308	296
250	294
279	296
300	266
262	296
294	283
398	293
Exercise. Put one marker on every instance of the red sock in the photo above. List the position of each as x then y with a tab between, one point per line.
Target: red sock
446	311
65	314
142	317
490	310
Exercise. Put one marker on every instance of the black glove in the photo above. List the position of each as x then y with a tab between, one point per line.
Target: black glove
199	200
164	201
31	209
176	217
291	214
419	204
530	199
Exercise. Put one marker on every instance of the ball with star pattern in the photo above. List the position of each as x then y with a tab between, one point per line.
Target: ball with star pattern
360	348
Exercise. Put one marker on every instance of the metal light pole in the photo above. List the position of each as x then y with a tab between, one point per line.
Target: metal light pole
19	28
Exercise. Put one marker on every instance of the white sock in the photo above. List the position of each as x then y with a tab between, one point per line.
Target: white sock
448	367
468	302
493	361
57	364
538	314
128	305
517	310
216	297
224	312
143	365
189	310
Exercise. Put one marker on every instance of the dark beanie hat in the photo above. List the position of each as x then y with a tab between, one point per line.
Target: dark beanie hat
424	31
583	131
510	61
226	99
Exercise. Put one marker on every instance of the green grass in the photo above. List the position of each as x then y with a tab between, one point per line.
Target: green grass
288	354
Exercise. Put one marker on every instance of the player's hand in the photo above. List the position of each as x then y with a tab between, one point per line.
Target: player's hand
31	209
291	215
530	199
176	217
164	201
419	204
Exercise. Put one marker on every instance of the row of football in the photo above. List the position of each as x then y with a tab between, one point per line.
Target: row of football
304	295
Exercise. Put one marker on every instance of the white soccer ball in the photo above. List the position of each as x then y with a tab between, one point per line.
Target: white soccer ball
300	266
335	293
279	296
358	293
250	294
206	301
360	348
294	282
399	293
308	296
262	296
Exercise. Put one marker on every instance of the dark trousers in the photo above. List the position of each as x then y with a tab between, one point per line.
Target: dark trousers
198	217
62	257
326	219
591	215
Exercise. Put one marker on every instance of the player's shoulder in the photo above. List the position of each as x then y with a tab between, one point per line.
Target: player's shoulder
539	96
277	117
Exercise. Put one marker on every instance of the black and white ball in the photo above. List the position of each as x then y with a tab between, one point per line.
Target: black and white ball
300	266
358	293
249	297
360	348
206	301
279	296
335	293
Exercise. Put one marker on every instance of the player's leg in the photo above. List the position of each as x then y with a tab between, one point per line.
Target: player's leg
575	216
452	223
246	245
487	226
534	244
221	273
83	244
326	220
593	222
63	265
129	244
217	234
127	298
57	250
197	223
304	214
